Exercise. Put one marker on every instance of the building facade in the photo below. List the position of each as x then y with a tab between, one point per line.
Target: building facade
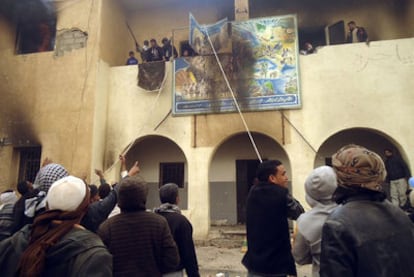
82	108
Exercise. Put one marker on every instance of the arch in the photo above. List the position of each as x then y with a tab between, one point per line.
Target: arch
161	160
372	139
231	172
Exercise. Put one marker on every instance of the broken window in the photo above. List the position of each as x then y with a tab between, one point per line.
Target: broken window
36	37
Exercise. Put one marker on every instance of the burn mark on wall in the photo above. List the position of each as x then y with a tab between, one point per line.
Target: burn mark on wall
17	127
70	39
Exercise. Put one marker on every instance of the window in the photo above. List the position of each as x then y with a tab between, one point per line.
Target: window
29	163
36	37
185	49
172	173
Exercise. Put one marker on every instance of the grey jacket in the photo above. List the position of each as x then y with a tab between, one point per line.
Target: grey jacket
307	246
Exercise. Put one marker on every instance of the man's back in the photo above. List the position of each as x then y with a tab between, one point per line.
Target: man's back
269	250
396	168
141	244
182	232
6	220
367	238
78	253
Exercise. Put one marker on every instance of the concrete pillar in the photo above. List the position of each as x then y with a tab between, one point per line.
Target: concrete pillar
199	191
241	8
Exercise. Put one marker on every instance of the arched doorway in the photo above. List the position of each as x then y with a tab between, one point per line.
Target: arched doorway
161	161
372	139
232	171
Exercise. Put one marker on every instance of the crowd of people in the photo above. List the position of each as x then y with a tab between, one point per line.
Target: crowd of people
152	52
351	229
60	226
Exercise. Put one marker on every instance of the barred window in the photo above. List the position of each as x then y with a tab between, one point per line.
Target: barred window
29	163
172	173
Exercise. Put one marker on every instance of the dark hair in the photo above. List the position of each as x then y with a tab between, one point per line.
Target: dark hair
131	52
23	187
104	190
169	193
93	190
351	22
146	42
164	40
132	194
267	168
153	40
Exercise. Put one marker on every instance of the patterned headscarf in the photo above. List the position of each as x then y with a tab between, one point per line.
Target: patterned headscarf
357	166
47	175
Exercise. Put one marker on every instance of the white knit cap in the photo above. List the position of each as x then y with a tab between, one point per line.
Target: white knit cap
66	194
321	184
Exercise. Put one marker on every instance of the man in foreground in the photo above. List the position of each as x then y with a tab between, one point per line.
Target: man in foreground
56	244
140	242
269	206
366	235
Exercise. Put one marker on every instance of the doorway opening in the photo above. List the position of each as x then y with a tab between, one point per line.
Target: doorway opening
245	179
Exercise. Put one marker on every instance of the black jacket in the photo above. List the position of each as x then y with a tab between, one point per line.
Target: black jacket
169	51
78	253
182	232
364	237
156	54
99	211
268	239
19	218
396	168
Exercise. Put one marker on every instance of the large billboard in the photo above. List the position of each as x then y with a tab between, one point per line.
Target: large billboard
262	69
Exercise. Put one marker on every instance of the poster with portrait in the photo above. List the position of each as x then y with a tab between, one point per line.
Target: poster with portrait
262	70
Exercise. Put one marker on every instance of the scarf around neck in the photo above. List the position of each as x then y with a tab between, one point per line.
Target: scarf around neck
168	208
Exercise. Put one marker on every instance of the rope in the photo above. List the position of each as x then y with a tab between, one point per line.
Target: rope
299	133
234	98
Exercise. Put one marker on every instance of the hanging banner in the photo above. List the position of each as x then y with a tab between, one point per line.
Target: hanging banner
262	70
151	75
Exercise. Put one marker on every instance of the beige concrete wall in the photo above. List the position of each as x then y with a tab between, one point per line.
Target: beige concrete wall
159	22
367	87
48	100
7	33
100	119
115	41
134	113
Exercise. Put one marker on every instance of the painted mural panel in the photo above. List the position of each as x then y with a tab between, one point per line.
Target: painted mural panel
262	70
218	32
